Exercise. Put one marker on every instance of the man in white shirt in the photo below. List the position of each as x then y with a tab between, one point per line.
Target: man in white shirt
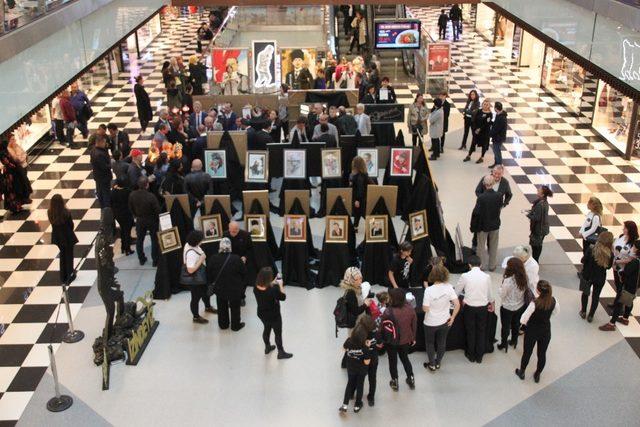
475	285
317	130
363	121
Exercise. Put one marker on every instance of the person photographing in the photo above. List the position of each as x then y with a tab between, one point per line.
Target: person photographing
269	293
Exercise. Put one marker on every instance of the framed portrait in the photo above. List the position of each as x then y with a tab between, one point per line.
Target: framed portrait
215	162
376	229
211	227
370	156
264	65
418	224
337	229
331	163
256	166
295	228
169	240
401	162
256	225
298	67
231	63
295	164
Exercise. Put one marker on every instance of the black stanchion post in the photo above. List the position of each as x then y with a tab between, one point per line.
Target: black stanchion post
72	335
60	402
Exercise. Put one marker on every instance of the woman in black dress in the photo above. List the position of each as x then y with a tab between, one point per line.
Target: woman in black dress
470	109
145	113
481	126
268	298
63	236
359	181
537	318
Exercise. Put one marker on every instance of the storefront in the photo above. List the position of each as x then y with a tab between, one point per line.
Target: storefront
468	13
531	56
504	37
564	78
486	22
613	118
140	39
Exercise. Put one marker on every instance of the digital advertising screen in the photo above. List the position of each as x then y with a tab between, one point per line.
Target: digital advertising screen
397	34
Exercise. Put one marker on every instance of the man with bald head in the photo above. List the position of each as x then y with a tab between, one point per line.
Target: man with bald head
324	120
242	245
197	183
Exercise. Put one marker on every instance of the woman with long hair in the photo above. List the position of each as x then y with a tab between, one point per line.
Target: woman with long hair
417	118
356	303
359	181
404	318
471	107
268	298
595	263
592	222
512	293
537	318
481	126
369	325
629	286
622	252
358	359
62	236
539	221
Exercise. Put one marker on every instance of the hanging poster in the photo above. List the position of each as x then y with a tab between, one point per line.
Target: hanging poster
265	78
234	63
298	67
438	58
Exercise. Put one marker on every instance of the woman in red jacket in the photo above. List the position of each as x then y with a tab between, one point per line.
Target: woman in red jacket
404	318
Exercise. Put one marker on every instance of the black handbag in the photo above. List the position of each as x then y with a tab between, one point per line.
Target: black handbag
197	278
212	288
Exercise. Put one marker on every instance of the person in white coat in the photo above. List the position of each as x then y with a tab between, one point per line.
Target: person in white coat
363	121
531	266
592	222
436	128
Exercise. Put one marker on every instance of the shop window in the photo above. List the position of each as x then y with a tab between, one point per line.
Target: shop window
95	79
612	116
38	125
486	21
564	78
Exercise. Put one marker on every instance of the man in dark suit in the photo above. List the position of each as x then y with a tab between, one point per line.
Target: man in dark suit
299	77
101	165
500	185
228	118
145	208
196	118
313	118
485	220
230	273
197	183
163	119
118	140
446	109
242	245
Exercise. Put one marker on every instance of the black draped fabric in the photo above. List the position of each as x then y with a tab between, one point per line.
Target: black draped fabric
262	250
421	255
295	256
332	99
327	183
377	256
235	175
211	248
421	164
403	183
167	280
457	335
291	184
425	196
385	134
337	257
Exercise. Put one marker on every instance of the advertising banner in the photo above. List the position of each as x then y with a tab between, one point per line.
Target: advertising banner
398	34
438	58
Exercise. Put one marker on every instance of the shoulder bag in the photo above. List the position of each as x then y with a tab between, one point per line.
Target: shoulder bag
198	277
212	288
626	297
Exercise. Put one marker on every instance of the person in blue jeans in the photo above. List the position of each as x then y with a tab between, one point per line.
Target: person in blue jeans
82	106
498	133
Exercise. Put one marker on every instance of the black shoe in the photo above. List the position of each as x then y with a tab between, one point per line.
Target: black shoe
211	310
284	355
154	264
429	366
433	157
243	302
462	147
240	326
513	343
437	366
479	360
128	252
394	384
343	409
71	278
411	382
199	319
583	314
143	260
356	409
269	349
520	374
470	358
480	160
466	159
503	346
371	401
492	166
536	377
590	318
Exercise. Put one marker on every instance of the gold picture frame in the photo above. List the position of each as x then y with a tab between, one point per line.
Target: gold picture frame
331	163
291	232
418	225
211	227
256	225
169	240
337	229
376	228
257	166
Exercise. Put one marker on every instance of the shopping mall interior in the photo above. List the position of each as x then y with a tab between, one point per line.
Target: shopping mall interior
565	73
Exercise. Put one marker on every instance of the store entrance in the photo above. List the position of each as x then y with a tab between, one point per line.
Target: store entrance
531	56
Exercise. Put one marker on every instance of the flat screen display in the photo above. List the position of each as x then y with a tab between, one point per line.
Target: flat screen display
397	34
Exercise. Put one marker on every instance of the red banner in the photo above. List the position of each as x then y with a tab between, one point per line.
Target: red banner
438	58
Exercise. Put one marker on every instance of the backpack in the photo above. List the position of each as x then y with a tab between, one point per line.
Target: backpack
341	314
388	330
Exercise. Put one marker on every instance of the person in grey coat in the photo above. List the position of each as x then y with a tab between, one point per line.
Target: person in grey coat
436	128
539	221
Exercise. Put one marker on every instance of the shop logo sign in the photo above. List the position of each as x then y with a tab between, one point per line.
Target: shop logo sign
631	60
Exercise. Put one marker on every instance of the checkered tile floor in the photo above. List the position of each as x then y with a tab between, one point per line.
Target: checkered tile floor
547	144
29	270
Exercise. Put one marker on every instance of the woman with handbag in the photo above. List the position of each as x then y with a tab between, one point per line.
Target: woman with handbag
268	298
404	318
537	319
194	275
596	262
622	254
628	293
513	291
539	221
592	223
226	277
417	118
